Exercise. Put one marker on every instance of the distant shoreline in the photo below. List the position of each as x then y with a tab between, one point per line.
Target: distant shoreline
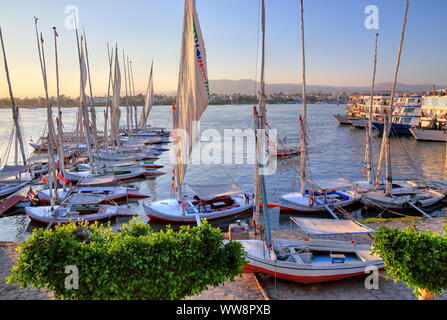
139	106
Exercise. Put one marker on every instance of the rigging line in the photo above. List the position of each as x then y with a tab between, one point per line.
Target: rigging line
412	164
231	178
8	146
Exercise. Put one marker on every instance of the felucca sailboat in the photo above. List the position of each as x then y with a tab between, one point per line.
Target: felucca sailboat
316	198
393	196
14	177
210	201
306	260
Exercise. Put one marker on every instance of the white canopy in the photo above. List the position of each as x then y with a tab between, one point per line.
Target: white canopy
330	226
216	190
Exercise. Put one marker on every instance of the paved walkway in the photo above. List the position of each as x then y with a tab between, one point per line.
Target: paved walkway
8	256
349	289
244	288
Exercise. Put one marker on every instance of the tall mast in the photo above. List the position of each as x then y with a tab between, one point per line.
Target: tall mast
260	125
134	98
303	140
51	144
59	111
385	151
92	107
106	115
59	117
127	96
368	151
15	109
260	139
130	96
83	71
115	105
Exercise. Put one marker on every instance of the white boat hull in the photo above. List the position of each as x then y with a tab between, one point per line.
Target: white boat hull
424	198
429	135
359	123
296	201
310	272
65	215
171	211
8	189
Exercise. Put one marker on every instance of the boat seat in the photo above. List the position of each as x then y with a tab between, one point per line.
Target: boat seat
337	258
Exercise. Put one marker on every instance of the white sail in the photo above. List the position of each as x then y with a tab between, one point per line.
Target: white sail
148	101
193	90
115	108
83	75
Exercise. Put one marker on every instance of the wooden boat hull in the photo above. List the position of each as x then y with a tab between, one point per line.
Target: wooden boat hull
43	215
379	200
284	153
111	194
7	190
169	211
308	272
294	202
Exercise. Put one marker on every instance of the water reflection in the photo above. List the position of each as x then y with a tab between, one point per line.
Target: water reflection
334	151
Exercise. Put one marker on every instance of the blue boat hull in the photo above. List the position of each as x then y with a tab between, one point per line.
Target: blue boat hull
399	129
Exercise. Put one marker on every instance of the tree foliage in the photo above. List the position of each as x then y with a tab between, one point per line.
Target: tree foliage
419	259
134	263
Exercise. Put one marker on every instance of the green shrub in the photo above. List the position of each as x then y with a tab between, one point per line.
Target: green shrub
135	263
419	259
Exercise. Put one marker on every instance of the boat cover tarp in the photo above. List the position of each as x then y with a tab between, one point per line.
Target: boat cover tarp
215	190
38	158
97	180
82	198
330	227
9	171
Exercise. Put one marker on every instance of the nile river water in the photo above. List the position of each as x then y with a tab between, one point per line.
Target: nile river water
334	152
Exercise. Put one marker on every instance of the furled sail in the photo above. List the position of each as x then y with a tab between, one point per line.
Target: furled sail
115	109
83	83
193	89
148	101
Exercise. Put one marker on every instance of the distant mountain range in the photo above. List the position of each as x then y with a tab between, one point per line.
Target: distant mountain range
248	86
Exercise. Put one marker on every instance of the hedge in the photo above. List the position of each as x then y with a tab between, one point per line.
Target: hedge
419	259
134	263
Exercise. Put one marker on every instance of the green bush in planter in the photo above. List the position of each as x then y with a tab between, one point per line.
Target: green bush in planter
419	259
135	263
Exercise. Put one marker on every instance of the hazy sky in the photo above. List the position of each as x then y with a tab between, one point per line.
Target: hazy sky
339	47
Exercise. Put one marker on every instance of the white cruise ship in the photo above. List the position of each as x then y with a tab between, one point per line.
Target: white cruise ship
433	124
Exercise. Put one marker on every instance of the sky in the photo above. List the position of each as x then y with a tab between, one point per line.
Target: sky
339	48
